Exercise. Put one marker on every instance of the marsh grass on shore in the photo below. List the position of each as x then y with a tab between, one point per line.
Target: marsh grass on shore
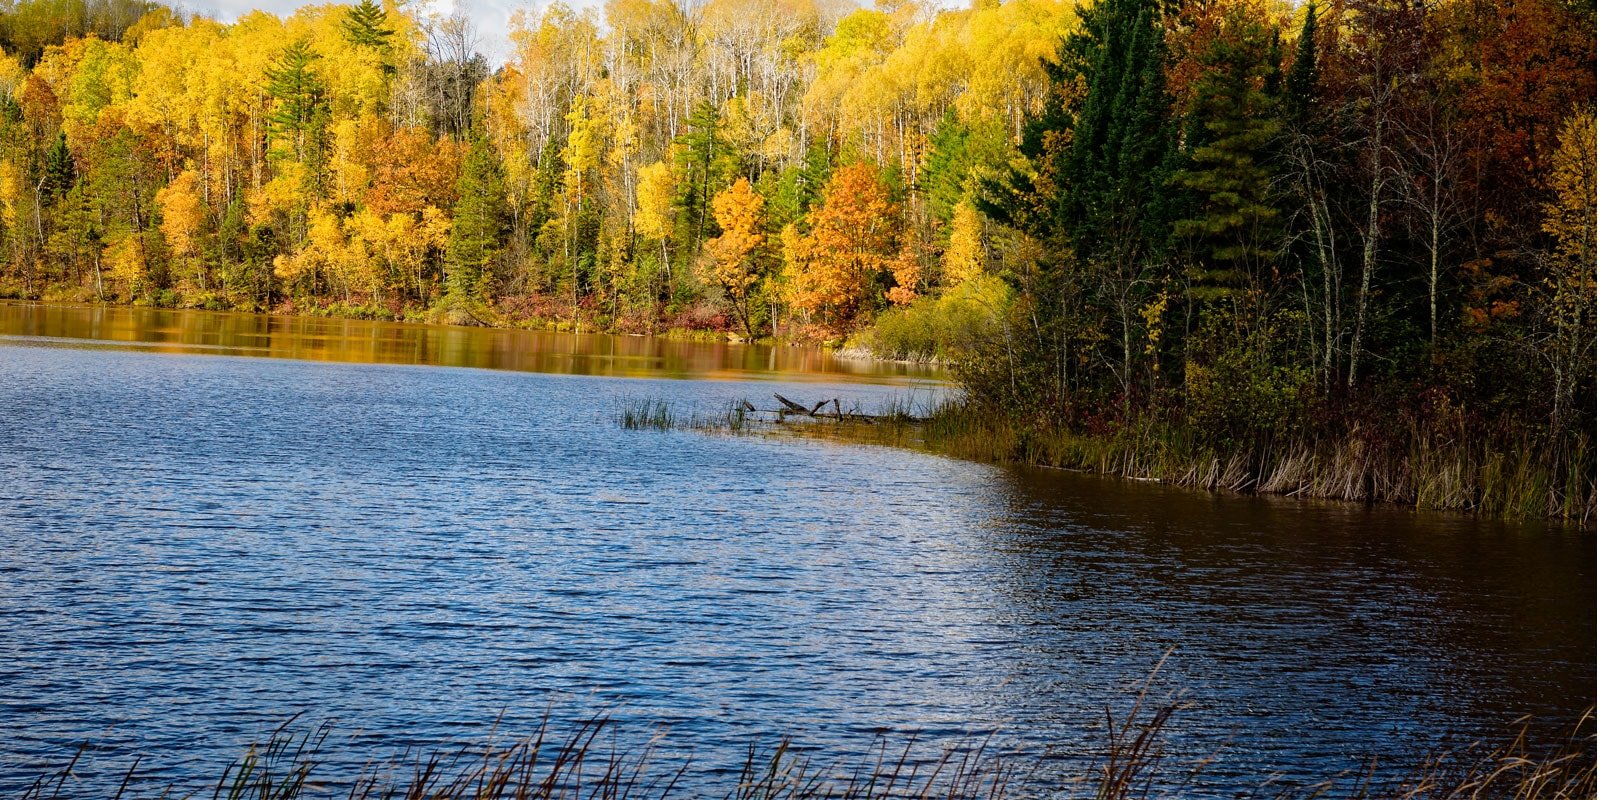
1502	477
1132	762
573	761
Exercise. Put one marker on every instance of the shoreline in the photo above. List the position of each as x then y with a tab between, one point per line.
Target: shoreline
1338	471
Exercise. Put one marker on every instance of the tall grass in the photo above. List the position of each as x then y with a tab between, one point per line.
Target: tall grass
1132	763
1503	476
640	415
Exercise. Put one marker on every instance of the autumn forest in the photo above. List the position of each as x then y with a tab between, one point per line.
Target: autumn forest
1360	231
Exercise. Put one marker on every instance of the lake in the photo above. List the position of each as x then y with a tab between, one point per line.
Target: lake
212	522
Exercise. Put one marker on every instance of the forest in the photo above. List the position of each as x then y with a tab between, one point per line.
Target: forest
1358	226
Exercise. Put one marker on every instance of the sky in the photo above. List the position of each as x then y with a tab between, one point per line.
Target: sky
492	17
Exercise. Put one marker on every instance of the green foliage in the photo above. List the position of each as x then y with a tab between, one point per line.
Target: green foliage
1097	196
1112	177
244	258
704	166
1242	384
478	229
59	171
1232	229
947	327
365	23
794	191
1300	87
300	113
960	156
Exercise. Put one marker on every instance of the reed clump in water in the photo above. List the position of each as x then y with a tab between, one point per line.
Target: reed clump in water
638	415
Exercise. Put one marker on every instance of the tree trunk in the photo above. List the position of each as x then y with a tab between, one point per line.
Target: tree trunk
1369	251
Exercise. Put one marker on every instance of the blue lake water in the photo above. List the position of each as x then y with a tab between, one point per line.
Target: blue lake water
194	548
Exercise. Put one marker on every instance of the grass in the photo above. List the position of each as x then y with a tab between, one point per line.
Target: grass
1499	477
576	763
638	415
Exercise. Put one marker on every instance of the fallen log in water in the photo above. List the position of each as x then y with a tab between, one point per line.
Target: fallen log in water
791	407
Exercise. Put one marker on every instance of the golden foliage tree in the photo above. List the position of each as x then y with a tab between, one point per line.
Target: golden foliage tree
732	260
656	192
836	267
963	258
1570	221
183	219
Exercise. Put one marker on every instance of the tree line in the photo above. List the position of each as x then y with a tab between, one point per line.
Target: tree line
1369	218
1257	217
752	165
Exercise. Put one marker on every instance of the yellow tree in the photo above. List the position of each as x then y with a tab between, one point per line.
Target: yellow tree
172	93
1570	220
124	257
325	253
11	72
183	216
656	192
87	75
582	156
963	258
732	260
396	246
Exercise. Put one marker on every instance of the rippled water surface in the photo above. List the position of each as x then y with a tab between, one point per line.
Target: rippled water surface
194	548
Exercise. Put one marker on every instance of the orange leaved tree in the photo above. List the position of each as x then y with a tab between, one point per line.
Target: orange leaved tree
838	267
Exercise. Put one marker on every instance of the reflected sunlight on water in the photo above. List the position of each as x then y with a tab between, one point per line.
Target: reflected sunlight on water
192	549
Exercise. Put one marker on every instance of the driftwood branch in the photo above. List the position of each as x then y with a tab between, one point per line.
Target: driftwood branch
816	411
791	405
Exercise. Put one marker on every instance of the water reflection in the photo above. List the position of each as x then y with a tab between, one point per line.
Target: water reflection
1290	616
363	341
192	549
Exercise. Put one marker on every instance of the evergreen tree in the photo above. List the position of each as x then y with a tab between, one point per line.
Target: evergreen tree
704	165
479	221
1231	227
793	192
301	110
958	155
1300	86
59	172
364	26
1113	175
1102	151
1272	84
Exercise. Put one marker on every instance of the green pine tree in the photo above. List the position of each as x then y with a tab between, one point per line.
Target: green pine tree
364	26
301	108
1102	151
1114	172
1231	227
704	165
59	172
959	155
1300	86
478	225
